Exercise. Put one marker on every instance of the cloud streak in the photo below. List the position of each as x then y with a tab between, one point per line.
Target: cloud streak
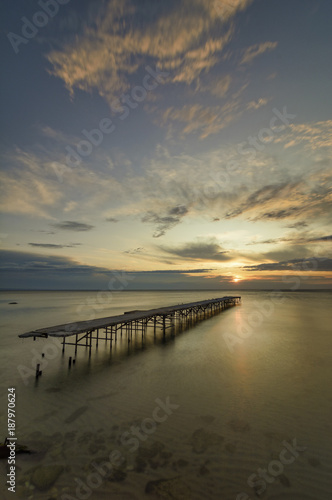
75	226
304	265
53	245
256	50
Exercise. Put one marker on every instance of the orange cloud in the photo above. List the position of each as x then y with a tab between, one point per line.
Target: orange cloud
256	50
180	40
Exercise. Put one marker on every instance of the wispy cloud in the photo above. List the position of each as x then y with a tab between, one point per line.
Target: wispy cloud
112	219
314	136
256	50
69	225
257	104
53	245
305	265
165	222
309	197
123	35
134	251
29	188
203	120
295	239
217	87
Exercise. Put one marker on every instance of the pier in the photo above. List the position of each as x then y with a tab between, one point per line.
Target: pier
83	333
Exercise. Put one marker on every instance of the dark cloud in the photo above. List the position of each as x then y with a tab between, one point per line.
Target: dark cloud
53	245
112	219
306	198
265	242
261	196
134	251
42	231
304	265
298	239
297	225
200	250
166	222
31	271
178	210
69	225
176	271
24	262
322	238
280	214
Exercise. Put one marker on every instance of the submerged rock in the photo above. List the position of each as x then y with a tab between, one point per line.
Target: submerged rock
201	440
140	465
117	474
182	463
239	425
314	462
284	480
207	419
151	452
85	438
203	470
94	448
45	476
169	489
230	447
155	456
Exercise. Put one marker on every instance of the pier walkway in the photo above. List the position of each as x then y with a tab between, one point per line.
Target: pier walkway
82	333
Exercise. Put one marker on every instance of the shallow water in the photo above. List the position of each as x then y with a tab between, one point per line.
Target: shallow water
241	384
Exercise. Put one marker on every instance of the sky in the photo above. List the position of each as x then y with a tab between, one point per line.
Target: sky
180	144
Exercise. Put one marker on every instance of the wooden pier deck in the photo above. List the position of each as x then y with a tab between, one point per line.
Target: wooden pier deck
86	331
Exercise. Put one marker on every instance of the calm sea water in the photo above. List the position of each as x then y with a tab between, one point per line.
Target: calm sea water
240	386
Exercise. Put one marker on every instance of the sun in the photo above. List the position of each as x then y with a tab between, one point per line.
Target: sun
235	280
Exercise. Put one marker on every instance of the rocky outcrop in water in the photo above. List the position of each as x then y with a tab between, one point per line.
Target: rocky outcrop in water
45	476
169	489
201	440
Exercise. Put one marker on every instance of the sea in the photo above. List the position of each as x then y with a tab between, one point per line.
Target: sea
234	407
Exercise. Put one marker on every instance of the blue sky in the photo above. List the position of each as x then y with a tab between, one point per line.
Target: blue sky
186	143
